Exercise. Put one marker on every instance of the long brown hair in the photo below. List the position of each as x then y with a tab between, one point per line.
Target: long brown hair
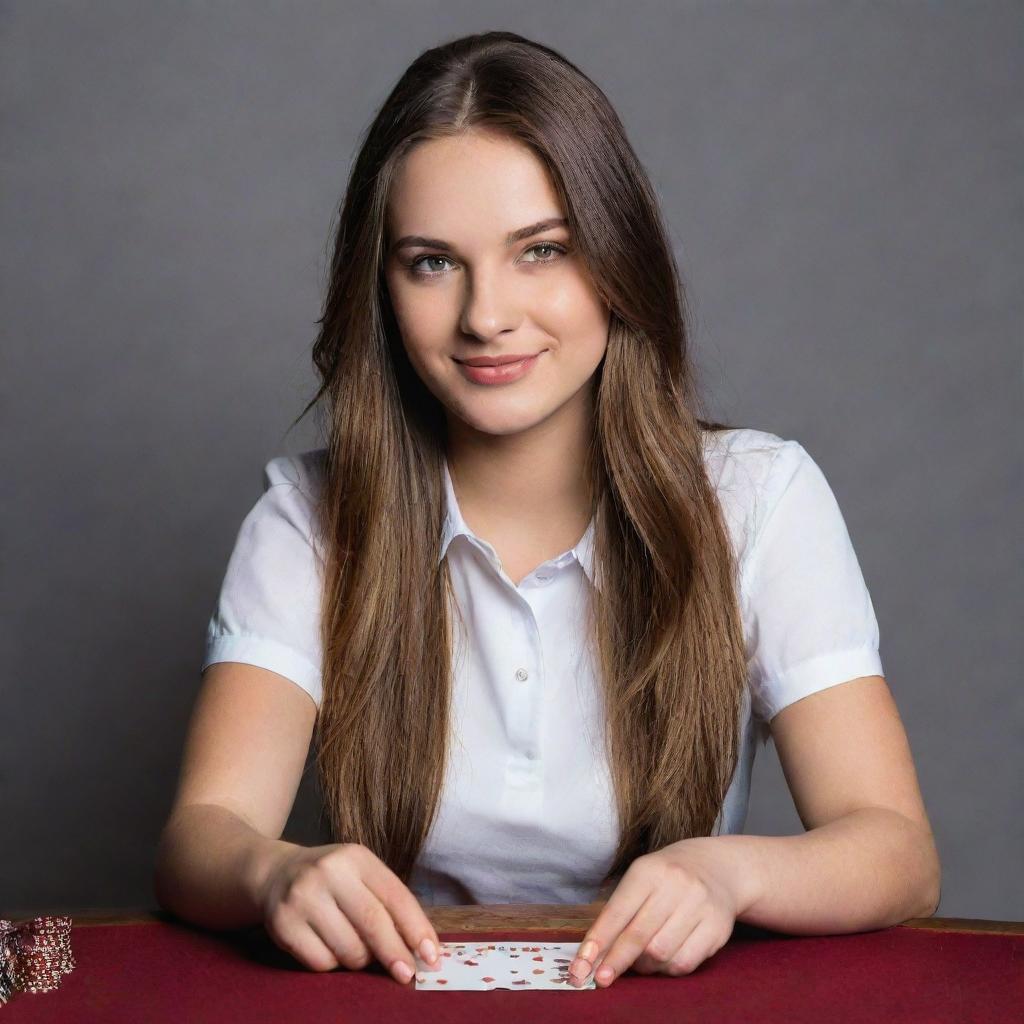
665	623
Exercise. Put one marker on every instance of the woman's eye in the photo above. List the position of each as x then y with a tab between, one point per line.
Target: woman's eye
425	273
543	247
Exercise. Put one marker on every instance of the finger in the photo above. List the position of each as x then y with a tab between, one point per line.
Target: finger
296	936
664	945
405	910
704	941
632	937
341	882
336	933
372	921
625	900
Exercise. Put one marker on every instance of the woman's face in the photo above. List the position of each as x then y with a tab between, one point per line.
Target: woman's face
461	290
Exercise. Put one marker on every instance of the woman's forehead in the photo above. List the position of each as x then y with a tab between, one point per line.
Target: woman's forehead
458	185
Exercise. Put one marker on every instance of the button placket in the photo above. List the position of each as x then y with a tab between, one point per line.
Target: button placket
527	679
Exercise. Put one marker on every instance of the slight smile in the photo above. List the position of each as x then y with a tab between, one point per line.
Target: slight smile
503	373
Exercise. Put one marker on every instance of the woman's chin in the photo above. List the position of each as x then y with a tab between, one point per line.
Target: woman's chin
485	422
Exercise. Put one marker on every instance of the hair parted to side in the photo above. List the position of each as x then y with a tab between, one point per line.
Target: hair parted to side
665	625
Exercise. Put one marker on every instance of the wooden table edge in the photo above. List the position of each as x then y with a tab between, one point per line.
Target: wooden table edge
505	917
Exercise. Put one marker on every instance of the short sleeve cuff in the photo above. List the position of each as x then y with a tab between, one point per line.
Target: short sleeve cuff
269	654
815	674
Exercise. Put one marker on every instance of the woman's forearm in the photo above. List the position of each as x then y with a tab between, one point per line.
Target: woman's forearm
869	869
210	865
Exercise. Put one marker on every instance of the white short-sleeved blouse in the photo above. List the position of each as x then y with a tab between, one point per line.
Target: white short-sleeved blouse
527	814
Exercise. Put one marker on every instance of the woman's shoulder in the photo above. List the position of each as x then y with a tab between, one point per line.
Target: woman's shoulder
743	456
743	465
291	489
743	439
303	471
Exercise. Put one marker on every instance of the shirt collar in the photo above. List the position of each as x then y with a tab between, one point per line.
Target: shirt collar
455	525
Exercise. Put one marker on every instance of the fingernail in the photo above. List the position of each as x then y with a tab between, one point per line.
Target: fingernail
428	951
579	969
605	974
588	950
402	970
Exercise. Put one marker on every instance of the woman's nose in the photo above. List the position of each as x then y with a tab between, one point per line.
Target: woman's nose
490	304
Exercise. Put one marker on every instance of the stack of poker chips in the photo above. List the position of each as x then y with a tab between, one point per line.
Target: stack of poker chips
34	955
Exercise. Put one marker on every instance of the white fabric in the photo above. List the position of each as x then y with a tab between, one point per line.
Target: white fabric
527	812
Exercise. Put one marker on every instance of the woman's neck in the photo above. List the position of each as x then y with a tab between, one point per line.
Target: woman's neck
533	482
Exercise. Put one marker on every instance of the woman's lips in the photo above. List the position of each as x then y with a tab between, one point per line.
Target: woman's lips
504	374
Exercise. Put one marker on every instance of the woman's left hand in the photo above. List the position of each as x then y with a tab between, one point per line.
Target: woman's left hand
671	910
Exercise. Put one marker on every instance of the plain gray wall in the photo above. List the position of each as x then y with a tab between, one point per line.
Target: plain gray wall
843	185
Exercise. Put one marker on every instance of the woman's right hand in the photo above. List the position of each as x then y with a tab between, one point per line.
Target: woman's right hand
340	905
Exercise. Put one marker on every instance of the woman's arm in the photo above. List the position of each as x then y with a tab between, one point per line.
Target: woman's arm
868	859
244	756
210	866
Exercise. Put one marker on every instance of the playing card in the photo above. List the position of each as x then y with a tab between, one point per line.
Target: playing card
516	965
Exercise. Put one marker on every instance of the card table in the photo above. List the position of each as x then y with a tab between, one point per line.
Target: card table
149	967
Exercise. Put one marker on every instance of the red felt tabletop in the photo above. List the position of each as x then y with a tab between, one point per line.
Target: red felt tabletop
156	972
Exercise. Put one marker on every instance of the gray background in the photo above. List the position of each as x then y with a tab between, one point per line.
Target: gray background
843	185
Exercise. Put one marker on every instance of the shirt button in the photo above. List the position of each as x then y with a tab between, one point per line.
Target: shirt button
522	674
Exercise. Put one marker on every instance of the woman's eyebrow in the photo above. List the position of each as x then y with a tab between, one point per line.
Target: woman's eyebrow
407	241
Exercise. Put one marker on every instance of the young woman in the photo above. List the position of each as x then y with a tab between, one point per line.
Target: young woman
532	611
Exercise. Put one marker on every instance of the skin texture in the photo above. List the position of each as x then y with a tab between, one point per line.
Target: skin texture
515	449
